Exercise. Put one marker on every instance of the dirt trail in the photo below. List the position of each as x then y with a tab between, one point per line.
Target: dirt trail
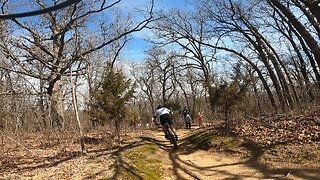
188	163
184	163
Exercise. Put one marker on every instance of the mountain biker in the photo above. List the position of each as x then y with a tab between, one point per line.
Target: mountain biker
165	117
187	117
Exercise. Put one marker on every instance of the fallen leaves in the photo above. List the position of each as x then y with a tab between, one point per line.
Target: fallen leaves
281	128
23	151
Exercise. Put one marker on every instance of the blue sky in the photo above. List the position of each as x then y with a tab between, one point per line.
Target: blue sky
134	51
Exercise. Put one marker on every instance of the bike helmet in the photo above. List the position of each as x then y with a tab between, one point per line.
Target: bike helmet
160	106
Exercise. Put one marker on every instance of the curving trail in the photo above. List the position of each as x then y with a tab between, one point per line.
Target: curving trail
190	163
186	162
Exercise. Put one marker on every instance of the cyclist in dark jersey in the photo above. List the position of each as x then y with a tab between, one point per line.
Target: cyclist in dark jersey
187	117
165	116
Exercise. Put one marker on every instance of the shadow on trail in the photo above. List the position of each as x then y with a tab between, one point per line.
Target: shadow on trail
254	162
181	168
173	156
187	146
120	165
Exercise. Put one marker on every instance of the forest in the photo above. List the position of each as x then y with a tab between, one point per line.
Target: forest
75	97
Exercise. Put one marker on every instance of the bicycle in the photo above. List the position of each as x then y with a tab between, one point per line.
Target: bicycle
171	135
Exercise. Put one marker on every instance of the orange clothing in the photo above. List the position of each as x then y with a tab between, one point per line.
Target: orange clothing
200	119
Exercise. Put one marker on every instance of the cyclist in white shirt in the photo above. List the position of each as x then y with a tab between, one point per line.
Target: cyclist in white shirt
165	117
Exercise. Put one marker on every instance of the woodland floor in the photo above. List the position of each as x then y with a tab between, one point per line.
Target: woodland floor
252	151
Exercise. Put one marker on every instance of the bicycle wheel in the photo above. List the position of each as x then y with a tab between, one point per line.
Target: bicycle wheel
173	139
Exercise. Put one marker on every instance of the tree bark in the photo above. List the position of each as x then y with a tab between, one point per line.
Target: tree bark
57	104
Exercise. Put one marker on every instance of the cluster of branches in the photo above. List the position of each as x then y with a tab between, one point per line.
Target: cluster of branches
263	55
268	49
51	53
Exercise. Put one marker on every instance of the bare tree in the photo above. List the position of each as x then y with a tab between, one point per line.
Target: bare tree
304	33
50	46
187	31
293	32
161	63
145	77
285	28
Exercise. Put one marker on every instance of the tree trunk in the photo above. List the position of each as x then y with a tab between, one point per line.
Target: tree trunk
117	125
289	36
75	108
314	8
272	75
305	34
310	57
302	67
310	9
277	65
256	94
261	45
42	104
57	104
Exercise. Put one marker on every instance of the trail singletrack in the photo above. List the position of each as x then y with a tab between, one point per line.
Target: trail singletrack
186	162
190	163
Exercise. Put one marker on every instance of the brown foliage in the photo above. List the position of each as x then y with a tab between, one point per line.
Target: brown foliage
282	128
27	151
